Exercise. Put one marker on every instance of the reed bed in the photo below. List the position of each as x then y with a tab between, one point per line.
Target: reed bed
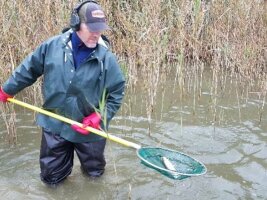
9	116
151	38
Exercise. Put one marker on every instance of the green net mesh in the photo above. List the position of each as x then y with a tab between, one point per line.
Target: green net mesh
184	165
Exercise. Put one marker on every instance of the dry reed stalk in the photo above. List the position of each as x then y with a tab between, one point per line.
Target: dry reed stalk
9	117
130	192
261	108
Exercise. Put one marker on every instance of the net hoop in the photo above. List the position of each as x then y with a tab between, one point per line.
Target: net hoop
174	174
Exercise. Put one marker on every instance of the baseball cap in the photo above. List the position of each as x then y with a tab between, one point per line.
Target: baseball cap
93	16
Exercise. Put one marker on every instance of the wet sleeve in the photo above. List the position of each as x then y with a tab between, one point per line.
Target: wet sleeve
115	85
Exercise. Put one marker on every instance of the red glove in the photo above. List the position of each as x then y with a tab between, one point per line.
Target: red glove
4	96
92	120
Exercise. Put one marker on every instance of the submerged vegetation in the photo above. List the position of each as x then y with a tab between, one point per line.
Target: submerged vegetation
153	39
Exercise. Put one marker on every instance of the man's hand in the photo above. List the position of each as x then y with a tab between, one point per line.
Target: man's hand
4	96
92	120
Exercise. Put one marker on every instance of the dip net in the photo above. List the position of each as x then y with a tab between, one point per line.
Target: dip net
172	164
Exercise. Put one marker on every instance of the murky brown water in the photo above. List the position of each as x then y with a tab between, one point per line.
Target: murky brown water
232	146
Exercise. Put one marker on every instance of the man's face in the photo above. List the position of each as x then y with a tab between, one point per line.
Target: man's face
90	39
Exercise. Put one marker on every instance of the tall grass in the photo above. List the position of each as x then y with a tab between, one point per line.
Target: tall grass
150	38
227	36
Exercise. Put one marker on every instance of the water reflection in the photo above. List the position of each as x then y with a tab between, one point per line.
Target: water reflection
225	132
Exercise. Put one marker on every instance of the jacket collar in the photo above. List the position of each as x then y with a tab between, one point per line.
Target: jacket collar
100	51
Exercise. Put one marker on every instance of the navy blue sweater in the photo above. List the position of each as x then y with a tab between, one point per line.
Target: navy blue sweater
80	51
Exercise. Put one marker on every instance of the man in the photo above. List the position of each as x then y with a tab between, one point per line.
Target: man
78	69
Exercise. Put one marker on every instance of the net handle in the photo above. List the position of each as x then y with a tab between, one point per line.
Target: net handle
70	121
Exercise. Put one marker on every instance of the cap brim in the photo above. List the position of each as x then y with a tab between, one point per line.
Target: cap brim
98	27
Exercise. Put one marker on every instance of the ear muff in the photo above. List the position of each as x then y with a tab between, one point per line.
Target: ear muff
75	20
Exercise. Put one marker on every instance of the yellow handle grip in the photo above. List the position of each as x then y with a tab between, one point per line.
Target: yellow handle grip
70	121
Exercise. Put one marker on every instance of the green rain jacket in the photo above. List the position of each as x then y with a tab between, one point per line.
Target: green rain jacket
73	93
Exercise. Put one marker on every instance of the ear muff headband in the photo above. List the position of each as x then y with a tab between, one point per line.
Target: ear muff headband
75	20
